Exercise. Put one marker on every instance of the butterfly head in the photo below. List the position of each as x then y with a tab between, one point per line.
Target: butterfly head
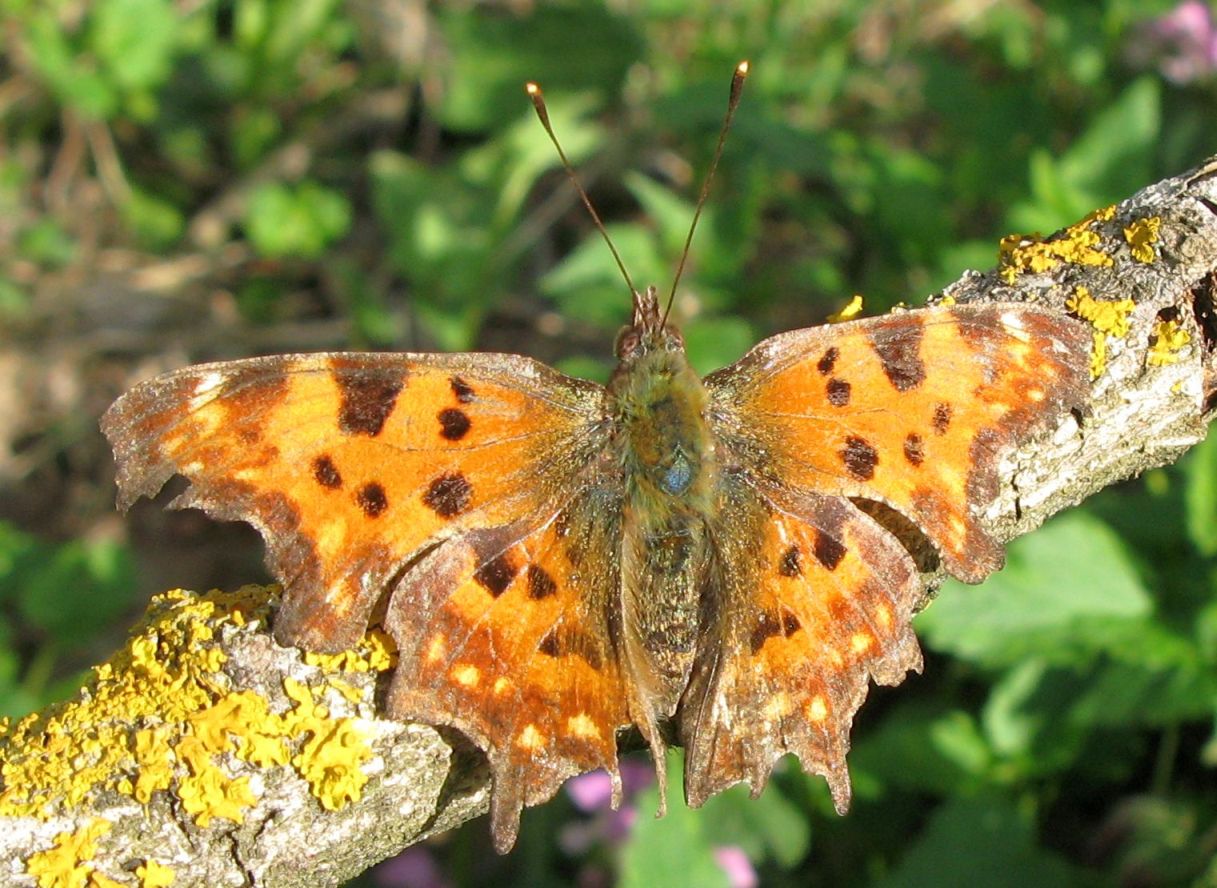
647	332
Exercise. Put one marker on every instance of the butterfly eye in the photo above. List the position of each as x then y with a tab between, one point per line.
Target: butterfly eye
627	343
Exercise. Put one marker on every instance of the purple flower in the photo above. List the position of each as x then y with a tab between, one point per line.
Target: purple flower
412	868
1183	43
593	791
737	866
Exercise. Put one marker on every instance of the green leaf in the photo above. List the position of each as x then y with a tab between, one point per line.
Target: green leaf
158	223
73	77
567	49
1200	495
134	39
770	826
75	587
922	748
1110	160
587	284
301	221
673	851
1064	589
980	841
716	342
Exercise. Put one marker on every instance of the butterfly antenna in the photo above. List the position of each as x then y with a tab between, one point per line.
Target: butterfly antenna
737	86
538	102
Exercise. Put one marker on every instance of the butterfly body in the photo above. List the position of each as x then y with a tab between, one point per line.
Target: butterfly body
563	561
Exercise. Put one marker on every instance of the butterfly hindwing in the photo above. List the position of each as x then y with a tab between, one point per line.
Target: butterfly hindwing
508	634
348	464
812	601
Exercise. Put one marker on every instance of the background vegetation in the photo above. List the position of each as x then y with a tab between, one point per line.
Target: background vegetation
184	180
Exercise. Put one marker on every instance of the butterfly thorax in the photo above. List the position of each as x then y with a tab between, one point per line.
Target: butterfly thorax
659	404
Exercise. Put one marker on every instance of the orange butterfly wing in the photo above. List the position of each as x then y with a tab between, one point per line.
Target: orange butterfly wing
448	481
813	597
912	409
510	636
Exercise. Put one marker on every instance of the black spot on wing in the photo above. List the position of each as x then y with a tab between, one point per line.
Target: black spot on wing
828	360
942	417
448	495
769	625
540	583
371	498
326	473
791	562
828	550
368	397
462	390
914	449
860	458
453	424
899	349
495	574
838	392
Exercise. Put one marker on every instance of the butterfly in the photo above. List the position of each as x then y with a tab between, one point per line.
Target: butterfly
726	557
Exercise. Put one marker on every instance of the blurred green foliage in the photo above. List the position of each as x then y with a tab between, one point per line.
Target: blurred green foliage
381	157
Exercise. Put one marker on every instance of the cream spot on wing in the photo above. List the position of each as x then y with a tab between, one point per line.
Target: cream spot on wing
958	528
583	727
883	614
835	658
779	705
1014	326
332	536
436	649
204	389
531	739
951	477
466	674
1035	395
501	684
817	709
861	642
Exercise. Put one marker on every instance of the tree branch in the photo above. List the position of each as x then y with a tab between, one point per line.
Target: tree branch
206	748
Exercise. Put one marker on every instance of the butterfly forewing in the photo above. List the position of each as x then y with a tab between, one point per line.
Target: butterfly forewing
911	409
351	464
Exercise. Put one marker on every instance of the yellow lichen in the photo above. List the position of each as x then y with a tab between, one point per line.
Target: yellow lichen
1108	317
1141	235
161	716
154	875
99	880
210	793
374	653
852	309
330	762
1168	340
67	863
1077	244
1098	354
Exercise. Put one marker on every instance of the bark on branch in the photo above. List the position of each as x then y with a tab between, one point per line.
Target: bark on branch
205	748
